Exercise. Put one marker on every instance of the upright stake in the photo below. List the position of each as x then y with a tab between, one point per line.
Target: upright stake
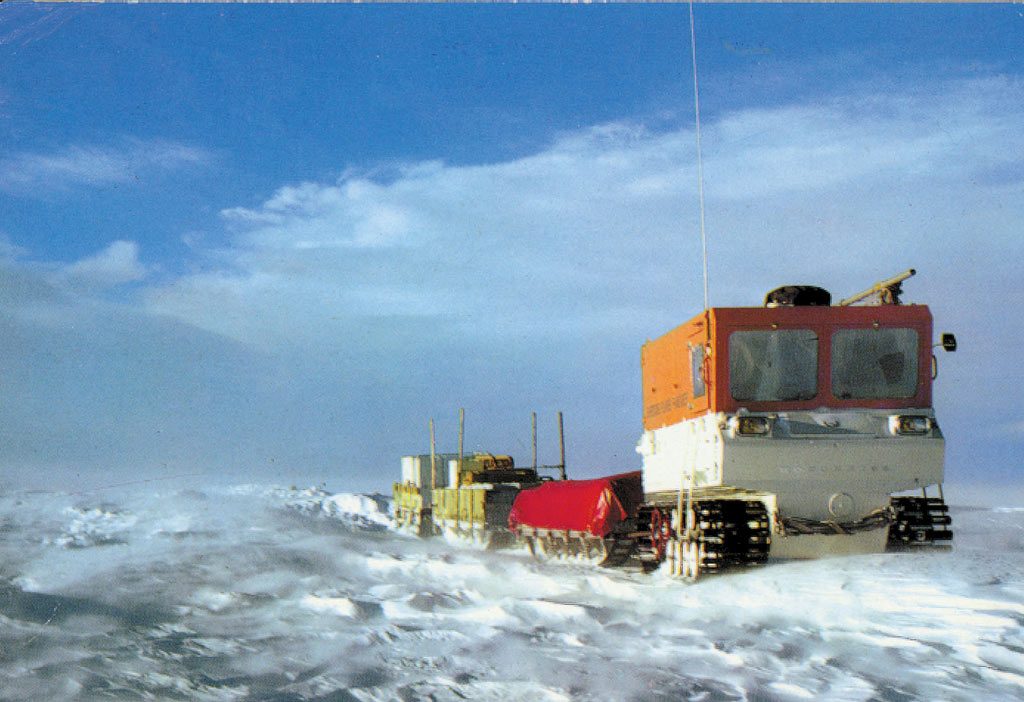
462	424
458	473
533	436
433	458
561	446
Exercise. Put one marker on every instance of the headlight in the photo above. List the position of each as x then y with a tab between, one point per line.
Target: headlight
751	426
910	425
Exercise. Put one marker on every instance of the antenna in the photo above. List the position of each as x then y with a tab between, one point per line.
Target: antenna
700	163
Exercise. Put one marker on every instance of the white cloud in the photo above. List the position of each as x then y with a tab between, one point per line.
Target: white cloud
115	265
599	232
93	166
866	139
355	213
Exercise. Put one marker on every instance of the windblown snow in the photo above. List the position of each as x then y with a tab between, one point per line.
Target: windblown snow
264	593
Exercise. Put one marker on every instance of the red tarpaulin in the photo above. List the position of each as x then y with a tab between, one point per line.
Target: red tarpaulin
591	506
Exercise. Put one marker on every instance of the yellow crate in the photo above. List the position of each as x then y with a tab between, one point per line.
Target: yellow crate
482	505
407	497
471	504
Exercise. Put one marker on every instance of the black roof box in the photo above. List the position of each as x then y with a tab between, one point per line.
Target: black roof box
798	296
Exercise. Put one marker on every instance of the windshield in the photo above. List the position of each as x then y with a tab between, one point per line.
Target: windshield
773	365
874	363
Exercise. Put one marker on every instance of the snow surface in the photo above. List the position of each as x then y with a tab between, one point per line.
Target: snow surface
265	593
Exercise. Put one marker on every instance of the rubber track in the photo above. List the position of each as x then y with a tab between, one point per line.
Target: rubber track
734	533
921	522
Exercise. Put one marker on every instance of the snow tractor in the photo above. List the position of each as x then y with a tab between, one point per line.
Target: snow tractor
783	431
786	430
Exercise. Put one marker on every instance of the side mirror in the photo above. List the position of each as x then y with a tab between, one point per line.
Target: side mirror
949	342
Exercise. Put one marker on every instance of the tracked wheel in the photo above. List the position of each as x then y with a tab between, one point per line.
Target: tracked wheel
731	534
691	558
661	534
921	523
721	533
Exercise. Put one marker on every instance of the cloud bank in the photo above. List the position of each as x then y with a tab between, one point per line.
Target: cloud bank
352	310
601	226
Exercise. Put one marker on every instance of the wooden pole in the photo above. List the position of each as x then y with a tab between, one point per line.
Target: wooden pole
433	458
561	446
458	473
533	435
462	424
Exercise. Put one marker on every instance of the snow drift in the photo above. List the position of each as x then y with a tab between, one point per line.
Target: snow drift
266	593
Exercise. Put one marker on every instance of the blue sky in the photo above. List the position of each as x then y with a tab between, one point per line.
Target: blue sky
272	241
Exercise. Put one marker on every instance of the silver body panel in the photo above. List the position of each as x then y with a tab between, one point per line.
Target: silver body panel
825	465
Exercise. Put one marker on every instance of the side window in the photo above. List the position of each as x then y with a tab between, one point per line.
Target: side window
697	369
874	363
773	365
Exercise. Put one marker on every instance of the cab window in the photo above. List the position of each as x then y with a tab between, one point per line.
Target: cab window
874	363
697	370
774	365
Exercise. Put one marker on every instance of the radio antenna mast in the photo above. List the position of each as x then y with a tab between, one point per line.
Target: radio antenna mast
700	163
